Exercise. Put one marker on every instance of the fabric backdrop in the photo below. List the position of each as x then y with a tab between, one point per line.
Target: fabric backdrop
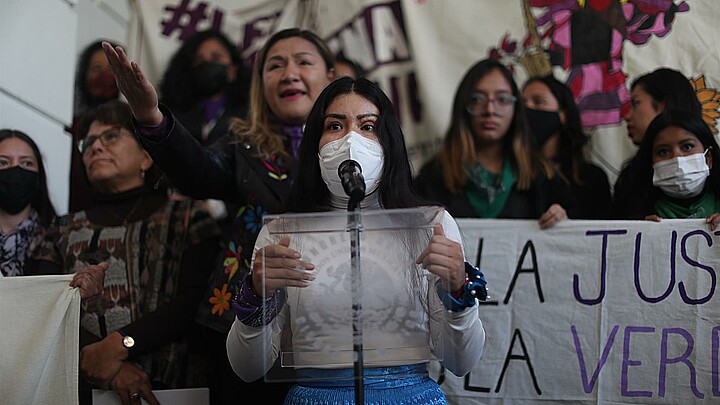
418	50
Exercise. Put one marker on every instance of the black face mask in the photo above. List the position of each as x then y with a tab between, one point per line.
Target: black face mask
18	187
210	78
543	124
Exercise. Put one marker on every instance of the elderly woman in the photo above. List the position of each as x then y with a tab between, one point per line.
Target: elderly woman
94	85
159	253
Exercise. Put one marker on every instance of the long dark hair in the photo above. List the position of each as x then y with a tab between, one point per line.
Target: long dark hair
85	100
309	193
176	87
671	87
41	203
459	145
355	66
641	200
572	141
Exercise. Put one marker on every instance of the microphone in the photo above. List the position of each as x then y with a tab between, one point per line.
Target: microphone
352	179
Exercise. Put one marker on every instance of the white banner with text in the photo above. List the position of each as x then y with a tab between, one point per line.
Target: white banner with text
605	312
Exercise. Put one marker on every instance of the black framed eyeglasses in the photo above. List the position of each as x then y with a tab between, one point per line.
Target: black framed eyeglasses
106	138
479	102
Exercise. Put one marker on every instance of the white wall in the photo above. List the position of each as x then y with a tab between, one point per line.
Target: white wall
103	19
39	45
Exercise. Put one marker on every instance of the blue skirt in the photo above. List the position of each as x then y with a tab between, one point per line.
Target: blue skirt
404	385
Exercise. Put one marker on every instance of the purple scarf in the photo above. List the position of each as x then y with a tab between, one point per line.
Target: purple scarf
295	135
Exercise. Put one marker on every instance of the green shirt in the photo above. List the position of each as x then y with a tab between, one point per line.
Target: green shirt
701	206
488	192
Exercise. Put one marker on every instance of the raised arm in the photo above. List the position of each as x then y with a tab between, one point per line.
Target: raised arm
132	83
198	172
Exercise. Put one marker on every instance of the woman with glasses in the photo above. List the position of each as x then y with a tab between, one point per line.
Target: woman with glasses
487	166
138	334
94	85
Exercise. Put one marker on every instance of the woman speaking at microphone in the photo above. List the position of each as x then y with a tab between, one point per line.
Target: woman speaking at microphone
355	120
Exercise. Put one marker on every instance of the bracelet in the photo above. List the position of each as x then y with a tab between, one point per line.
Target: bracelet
476	284
251	309
475	288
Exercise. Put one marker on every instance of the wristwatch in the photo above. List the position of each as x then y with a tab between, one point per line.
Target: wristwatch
127	340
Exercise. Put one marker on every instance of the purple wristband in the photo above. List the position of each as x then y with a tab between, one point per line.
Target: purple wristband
250	309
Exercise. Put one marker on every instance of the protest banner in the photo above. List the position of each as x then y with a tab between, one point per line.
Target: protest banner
594	312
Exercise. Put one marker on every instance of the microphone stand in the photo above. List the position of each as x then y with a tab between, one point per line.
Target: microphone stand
354	226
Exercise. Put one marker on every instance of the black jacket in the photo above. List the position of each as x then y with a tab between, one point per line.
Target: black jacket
593	196
521	204
251	187
192	119
227	170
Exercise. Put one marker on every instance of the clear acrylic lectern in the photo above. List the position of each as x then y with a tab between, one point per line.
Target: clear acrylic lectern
385	308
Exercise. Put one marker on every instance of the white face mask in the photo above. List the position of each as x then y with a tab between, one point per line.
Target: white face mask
367	152
683	176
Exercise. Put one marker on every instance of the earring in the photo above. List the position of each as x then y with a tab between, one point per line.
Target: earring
142	173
